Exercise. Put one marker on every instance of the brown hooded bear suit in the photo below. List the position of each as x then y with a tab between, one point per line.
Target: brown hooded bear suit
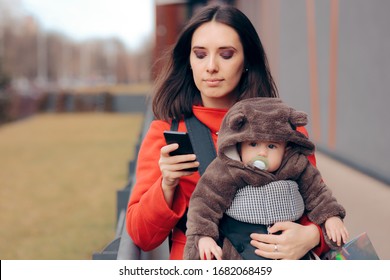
257	119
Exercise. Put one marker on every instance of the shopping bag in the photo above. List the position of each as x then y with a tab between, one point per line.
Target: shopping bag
359	248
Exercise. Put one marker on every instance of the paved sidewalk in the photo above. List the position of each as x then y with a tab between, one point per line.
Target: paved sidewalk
367	202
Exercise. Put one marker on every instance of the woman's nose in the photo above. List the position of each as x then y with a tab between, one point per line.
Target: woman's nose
212	65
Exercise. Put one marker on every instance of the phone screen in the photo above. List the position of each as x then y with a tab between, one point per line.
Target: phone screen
183	139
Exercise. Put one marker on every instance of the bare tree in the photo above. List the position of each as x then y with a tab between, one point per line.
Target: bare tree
29	52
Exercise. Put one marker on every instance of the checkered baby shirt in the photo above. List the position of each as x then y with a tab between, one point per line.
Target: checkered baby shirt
268	204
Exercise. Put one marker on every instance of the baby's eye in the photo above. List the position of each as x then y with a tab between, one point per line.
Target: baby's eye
200	54
227	54
272	146
253	144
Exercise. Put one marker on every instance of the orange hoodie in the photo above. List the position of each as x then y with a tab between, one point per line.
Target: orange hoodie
149	219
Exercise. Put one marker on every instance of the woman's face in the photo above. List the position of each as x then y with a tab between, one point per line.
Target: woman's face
217	62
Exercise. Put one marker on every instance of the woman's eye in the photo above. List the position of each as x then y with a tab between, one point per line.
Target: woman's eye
226	54
200	54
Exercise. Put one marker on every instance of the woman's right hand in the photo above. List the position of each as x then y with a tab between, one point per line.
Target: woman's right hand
172	169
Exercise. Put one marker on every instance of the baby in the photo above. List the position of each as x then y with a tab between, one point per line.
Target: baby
261	176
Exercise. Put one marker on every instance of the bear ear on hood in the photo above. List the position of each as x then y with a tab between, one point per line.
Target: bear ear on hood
237	121
298	118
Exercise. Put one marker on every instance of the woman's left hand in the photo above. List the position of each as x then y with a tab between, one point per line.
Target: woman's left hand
293	243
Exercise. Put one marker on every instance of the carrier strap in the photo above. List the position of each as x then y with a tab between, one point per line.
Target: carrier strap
202	142
204	150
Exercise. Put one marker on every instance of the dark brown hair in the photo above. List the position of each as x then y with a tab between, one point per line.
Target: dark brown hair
176	91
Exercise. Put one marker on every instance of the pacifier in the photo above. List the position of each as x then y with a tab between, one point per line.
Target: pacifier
259	162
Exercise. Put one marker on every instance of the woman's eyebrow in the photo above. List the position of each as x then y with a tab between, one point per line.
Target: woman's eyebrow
220	48
228	48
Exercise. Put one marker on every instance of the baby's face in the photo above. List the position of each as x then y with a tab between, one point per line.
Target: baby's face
272	151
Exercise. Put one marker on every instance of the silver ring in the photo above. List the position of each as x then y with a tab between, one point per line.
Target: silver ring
276	248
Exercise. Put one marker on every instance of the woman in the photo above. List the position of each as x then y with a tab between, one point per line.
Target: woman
217	60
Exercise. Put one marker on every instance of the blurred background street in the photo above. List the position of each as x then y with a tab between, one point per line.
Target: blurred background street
365	199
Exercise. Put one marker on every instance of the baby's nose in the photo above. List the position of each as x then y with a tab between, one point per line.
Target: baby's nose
263	152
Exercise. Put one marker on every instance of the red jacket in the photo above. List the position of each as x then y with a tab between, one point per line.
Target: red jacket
149	219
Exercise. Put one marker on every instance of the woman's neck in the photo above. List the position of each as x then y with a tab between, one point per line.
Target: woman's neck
219	102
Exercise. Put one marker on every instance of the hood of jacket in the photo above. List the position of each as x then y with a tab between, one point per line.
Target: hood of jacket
262	119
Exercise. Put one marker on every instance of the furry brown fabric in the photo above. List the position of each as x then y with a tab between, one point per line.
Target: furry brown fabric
252	120
264	119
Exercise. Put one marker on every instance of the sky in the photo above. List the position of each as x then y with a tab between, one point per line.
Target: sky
130	20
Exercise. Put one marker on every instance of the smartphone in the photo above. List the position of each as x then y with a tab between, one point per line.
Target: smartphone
185	146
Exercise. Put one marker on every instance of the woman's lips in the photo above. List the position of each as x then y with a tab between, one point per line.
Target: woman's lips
213	82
